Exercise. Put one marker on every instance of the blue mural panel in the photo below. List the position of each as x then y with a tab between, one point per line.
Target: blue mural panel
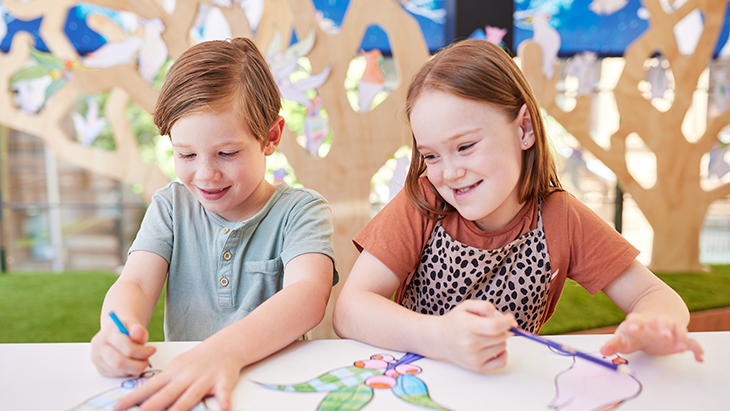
582	29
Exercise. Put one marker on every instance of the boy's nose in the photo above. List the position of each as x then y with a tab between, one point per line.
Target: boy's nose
207	171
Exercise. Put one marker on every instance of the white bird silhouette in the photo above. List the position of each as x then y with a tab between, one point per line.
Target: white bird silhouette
283	64
425	8
31	93
549	40
3	25
153	52
111	54
581	66
720	89
607	7
210	24
656	75
88	128
372	81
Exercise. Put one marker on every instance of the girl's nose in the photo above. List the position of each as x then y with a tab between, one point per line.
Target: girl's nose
453	170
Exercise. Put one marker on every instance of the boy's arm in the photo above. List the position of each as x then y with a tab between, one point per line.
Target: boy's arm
471	335
213	367
657	316
132	298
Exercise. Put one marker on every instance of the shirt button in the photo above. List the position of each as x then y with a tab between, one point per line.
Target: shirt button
227	256
226	230
224	281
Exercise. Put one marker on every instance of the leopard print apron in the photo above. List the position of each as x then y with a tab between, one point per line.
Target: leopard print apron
515	278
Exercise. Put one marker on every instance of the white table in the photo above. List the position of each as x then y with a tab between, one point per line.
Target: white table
52	377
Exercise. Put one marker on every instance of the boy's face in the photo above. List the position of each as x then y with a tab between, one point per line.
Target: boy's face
221	163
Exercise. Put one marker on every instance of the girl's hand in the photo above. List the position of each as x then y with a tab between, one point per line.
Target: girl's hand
657	335
206	370
474	334
117	355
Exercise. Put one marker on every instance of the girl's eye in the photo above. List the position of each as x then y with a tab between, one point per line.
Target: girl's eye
233	154
429	157
466	146
186	156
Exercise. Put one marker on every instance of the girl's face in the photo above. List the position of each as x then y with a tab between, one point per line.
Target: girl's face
222	163
473	155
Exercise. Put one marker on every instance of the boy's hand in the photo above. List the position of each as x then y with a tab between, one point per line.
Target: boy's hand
474	335
206	370
657	335
117	355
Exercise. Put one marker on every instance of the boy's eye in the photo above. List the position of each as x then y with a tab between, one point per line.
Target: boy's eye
233	154
186	156
466	146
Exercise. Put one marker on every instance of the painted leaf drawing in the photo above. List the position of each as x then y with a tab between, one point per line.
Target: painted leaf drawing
347	399
351	388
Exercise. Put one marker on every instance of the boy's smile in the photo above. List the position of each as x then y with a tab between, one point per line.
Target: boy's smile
473	155
221	163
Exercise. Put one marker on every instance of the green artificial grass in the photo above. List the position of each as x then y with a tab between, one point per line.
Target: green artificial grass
51	307
577	310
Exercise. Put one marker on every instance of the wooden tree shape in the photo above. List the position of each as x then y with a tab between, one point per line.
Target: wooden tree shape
362	141
676	205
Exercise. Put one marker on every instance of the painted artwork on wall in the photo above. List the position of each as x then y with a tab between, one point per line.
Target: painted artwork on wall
605	27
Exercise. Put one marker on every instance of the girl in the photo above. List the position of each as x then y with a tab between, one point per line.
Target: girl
483	237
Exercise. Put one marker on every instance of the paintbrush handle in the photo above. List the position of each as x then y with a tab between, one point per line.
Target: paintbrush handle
563	348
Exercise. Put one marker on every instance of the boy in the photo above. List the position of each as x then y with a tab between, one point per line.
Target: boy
251	265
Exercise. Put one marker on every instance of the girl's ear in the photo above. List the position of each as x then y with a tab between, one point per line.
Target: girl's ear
524	121
275	134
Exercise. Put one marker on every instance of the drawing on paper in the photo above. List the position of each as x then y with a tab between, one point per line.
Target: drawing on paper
351	388
106	400
586	386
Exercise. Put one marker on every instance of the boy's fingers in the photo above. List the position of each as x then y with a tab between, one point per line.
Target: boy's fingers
138	334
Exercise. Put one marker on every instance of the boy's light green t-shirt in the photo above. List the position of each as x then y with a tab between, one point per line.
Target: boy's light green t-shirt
219	271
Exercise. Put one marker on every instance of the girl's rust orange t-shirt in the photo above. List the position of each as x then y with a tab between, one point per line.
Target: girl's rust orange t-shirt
581	245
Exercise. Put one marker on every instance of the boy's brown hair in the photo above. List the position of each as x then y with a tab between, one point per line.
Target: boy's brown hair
218	75
481	71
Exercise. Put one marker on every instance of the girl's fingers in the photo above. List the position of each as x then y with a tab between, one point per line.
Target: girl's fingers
499	360
695	347
222	392
479	307
610	347
192	395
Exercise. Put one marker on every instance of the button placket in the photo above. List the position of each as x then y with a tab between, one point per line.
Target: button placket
225	279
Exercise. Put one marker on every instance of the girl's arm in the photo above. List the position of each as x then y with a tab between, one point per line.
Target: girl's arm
472	335
213	367
132	298
657	317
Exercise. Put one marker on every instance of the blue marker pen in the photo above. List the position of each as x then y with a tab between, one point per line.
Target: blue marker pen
122	328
